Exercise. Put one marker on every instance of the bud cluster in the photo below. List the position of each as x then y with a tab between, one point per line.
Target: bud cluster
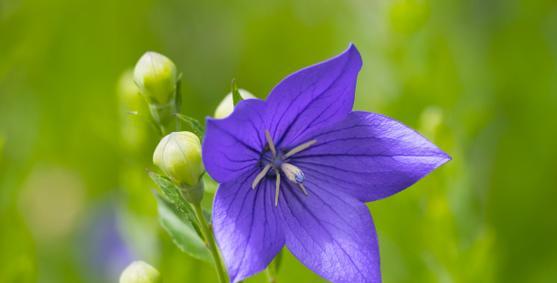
178	154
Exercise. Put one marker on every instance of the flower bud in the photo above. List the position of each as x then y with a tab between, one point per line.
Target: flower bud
178	155
140	272
226	106
431	119
156	77
129	94
133	129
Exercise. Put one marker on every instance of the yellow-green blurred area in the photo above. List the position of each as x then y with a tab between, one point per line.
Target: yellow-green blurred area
478	78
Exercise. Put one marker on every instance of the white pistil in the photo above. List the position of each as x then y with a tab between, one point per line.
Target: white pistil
295	175
292	173
300	148
260	176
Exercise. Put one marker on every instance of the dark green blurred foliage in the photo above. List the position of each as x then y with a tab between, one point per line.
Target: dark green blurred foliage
479	78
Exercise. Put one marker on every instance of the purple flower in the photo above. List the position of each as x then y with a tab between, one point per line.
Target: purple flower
297	168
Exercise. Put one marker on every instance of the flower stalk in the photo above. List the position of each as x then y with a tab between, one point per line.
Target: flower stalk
163	116
210	242
272	270
178	154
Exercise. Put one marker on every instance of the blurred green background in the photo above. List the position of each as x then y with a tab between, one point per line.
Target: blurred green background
477	77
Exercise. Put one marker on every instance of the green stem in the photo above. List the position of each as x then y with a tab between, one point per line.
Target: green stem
271	278
272	270
210	242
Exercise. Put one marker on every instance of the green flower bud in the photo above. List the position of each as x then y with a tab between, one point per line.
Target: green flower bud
178	155
129	94
140	272
156	77
431	119
133	129
226	106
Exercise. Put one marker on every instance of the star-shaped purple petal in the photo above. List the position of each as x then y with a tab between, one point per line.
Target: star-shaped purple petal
296	169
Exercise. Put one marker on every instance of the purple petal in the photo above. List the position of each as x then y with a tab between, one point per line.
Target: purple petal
246	225
315	96
331	233
232	145
369	156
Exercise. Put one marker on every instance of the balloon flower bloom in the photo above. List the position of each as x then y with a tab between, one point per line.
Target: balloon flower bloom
297	169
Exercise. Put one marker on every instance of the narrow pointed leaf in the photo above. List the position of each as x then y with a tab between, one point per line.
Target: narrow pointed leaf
173	195
192	125
181	231
236	97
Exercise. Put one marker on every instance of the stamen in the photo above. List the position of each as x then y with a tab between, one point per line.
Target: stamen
278	188
270	142
299	148
260	176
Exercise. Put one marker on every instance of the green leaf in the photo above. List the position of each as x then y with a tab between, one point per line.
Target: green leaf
172	194
277	262
177	217
236	97
192	125
207	215
182	232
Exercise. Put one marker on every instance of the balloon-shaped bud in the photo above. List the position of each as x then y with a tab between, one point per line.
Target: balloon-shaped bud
140	272
178	155
226	106
156	77
129	94
133	129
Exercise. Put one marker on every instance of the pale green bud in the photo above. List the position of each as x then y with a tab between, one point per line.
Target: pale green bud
431	120
156	77
129	94
226	106
178	155
133	111
140	272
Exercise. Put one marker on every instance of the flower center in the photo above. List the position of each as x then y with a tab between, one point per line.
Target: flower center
278	162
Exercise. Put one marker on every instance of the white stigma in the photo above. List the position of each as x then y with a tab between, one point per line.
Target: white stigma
292	172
